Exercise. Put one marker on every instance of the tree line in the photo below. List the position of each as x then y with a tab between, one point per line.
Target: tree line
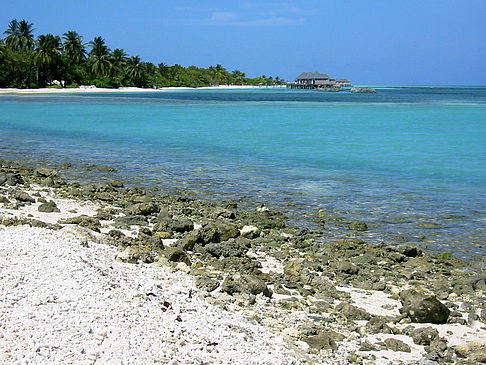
54	61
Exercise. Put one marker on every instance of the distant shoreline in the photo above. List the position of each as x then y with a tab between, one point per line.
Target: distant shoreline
89	89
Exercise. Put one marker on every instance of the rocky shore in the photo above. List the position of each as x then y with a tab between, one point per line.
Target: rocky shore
291	299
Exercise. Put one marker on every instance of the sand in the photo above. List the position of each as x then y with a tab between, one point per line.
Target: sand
66	299
93	89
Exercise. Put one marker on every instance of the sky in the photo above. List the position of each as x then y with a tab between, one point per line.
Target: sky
370	42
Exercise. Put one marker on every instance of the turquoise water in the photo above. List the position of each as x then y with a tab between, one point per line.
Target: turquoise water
411	162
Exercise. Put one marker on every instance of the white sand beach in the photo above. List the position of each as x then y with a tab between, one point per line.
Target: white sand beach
93	89
67	299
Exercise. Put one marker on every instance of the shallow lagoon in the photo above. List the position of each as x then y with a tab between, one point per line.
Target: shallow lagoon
410	162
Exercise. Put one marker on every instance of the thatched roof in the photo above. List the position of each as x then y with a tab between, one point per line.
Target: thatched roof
312	76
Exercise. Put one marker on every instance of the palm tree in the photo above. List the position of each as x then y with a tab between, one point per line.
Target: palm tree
99	56
134	68
19	35
26	35
12	39
47	54
73	46
118	61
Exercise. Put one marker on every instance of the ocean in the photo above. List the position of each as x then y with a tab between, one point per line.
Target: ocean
408	161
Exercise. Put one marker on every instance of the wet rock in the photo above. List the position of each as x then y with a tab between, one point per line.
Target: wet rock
352	313
116	184
101	168
206	283
396	345
423	308
44	172
424	336
22	196
176	254
409	251
245	283
48	207
358	226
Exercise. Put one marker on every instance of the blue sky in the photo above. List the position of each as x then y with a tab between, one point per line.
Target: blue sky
387	42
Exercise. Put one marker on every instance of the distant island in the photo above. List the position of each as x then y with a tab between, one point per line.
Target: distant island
67	62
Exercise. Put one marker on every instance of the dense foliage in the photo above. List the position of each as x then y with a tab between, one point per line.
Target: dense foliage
26	62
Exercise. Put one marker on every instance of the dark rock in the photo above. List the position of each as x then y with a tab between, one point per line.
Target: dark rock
176	254
424	336
321	341
12	179
136	254
378	325
49	207
142	209
4	200
22	196
116	184
101	168
232	248
367	346
474	352
358	226
345	267
44	172
181	224
291	303
409	251
37	223
245	283
206	283
215	232
423	308
352	313
191	239
237	264
396	345
131	220
83	221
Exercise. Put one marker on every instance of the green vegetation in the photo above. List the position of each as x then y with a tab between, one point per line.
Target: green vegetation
52	60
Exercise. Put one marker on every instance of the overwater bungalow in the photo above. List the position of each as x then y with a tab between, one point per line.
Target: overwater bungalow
316	80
